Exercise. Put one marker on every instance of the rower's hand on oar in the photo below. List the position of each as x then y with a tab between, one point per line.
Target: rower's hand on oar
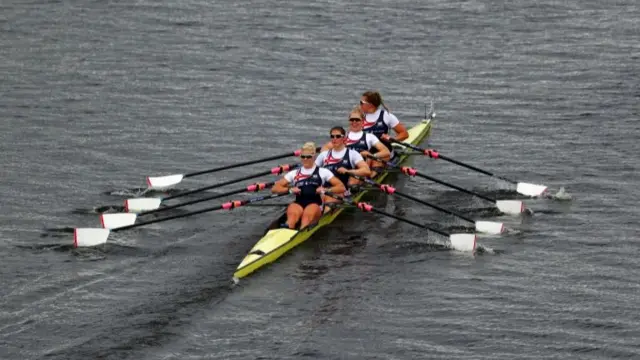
294	190
365	154
342	170
321	190
385	137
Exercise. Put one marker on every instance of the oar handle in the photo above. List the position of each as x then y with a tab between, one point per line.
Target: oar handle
250	188
226	206
275	171
429	152
251	162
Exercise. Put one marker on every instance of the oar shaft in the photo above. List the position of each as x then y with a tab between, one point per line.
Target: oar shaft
276	171
254	187
437	155
413	172
471	167
453	186
411	197
408	221
368	208
251	162
227	206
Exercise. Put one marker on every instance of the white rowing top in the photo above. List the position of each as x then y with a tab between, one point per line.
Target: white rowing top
388	118
354	156
325	174
371	139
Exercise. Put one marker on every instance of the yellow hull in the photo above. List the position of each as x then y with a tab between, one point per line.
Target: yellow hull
277	242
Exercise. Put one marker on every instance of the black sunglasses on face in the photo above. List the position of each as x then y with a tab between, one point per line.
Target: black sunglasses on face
354	119
305	157
336	136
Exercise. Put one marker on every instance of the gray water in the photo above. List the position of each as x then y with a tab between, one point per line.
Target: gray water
94	96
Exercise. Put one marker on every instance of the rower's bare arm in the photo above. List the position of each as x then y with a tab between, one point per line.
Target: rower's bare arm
383	151
401	132
281	186
362	169
327	146
337	187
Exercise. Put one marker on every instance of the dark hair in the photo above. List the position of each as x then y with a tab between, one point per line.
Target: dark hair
338	128
375	99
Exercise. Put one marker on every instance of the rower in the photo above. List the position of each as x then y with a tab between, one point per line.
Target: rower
379	120
307	183
365	143
342	161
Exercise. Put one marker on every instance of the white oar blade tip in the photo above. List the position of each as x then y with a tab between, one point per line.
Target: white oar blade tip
164	182
463	242
87	237
512	207
531	189
490	227
141	204
114	221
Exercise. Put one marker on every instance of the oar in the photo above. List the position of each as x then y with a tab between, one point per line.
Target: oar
513	207
488	227
461	241
521	187
137	205
117	220
85	237
168	181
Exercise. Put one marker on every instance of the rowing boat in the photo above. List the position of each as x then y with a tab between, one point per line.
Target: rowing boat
277	241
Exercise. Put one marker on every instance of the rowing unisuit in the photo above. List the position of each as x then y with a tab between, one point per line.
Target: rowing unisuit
361	141
334	159
308	180
379	123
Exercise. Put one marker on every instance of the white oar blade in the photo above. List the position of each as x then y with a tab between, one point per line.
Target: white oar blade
463	242
489	227
530	189
164	182
86	237
512	207
141	204
114	221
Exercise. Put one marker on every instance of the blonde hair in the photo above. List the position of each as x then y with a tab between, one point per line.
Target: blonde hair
357	110
309	146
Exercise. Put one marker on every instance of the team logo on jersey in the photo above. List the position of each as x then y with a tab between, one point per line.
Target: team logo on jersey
330	160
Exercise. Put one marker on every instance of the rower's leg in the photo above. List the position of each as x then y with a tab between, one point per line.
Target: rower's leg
376	167
327	200
310	215
294	212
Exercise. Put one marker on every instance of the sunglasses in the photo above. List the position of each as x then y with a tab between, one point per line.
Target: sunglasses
364	102
336	136
354	119
306	157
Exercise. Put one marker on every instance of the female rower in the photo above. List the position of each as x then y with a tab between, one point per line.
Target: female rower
307	183
342	161
366	143
379	120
